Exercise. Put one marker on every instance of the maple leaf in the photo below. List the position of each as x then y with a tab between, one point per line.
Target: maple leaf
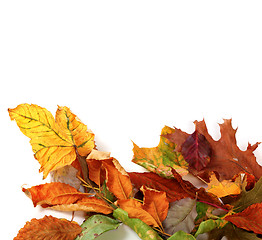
249	219
226	158
161	159
49	228
225	187
54	141
61	196
196	151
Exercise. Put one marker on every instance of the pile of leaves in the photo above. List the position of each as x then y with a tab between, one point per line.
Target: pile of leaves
158	203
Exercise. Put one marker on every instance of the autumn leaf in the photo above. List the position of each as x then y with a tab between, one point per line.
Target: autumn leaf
155	203
161	159
142	229
54	141
225	187
181	235
60	196
49	228
181	216
135	210
249	219
173	188
226	158
96	225
196	150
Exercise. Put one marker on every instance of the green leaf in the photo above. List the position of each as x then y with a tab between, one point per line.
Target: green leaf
181	235
232	233
181	216
96	225
249	197
143	230
201	209
209	225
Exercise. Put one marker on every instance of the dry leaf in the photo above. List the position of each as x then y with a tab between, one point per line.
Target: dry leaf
49	228
226	158
54	142
225	187
60	196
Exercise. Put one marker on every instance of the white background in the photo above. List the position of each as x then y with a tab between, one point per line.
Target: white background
126	68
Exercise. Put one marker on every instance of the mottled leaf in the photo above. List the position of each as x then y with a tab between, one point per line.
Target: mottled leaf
49	228
142	229
161	159
54	142
97	225
196	150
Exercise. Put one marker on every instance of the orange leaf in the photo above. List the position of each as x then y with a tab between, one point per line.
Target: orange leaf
225	187
155	203
118	181
135	210
249	219
49	228
54	141
61	196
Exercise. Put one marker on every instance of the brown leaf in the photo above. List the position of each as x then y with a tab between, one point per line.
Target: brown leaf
226	158
49	228
63	197
249	219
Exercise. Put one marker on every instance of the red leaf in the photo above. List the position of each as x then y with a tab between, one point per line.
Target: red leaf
250	219
196	150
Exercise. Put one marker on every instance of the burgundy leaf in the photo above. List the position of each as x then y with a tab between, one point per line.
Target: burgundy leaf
196	150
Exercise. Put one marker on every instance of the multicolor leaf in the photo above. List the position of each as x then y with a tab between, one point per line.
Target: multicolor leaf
54	142
142	229
209	225
161	159
49	228
60	196
96	225
226	158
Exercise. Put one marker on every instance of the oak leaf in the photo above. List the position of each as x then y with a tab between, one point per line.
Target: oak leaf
225	187
54	141
249	219
161	159
196	150
49	228
60	196
226	158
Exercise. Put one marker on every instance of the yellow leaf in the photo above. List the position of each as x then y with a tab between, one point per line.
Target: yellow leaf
224	188
54	142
